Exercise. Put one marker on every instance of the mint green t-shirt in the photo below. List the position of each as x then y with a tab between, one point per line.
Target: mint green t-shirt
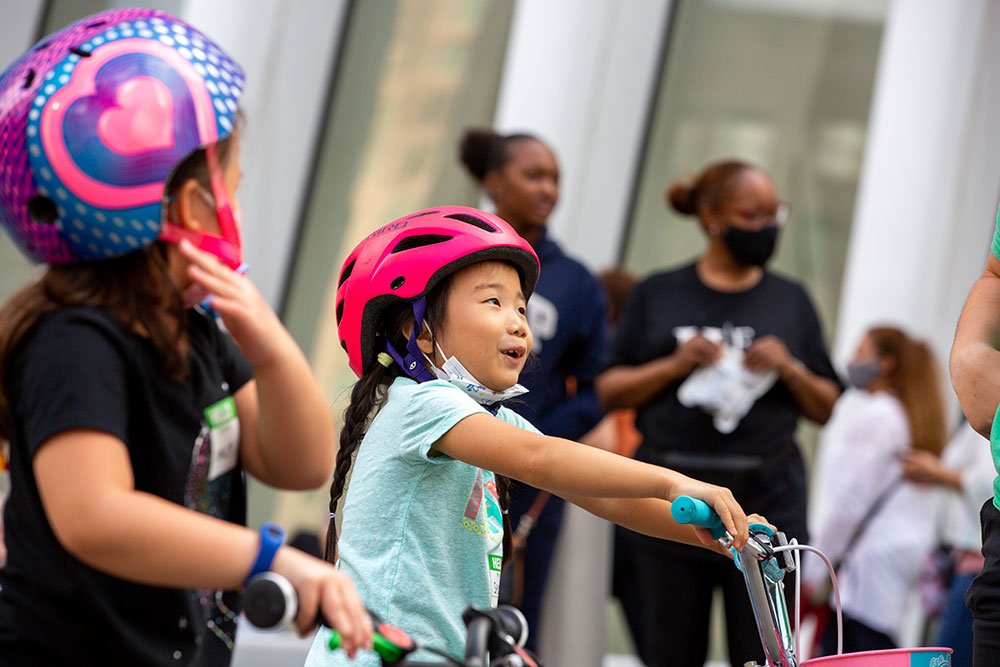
995	451
996	238
422	537
995	431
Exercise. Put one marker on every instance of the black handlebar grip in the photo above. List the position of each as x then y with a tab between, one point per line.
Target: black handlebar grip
479	629
270	602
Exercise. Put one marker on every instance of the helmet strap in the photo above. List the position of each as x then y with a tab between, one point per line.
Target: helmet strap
227	245
413	363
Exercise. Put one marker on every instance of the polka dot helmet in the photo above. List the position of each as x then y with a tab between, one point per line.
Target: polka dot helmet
403	260
94	119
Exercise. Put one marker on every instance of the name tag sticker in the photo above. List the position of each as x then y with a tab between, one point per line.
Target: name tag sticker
224	428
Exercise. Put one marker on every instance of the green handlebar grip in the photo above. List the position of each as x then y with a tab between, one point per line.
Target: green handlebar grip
385	648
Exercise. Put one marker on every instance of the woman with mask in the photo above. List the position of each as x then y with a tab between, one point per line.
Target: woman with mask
880	528
724	313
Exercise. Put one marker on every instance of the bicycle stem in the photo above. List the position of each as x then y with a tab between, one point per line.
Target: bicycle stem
767	599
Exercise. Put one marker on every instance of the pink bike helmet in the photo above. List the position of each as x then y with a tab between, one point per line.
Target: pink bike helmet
93	121
402	261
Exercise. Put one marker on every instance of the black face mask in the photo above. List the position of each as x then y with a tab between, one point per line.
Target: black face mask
752	248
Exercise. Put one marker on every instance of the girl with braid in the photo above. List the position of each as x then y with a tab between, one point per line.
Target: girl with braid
431	313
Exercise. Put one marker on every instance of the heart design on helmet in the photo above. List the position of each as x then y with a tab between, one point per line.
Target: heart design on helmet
141	121
129	114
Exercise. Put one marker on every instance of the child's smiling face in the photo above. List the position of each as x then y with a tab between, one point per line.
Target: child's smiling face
484	324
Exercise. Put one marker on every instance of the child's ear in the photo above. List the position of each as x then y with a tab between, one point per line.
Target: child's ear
189	208
424	339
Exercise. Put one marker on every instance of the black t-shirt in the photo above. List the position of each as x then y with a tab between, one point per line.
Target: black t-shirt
80	368
759	460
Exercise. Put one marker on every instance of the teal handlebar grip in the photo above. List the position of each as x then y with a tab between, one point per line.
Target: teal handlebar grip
688	510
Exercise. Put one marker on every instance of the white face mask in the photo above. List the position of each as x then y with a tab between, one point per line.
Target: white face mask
454	372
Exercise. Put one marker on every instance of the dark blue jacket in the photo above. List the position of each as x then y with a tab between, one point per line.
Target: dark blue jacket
567	315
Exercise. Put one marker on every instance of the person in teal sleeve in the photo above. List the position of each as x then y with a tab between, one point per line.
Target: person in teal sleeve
975	375
431	311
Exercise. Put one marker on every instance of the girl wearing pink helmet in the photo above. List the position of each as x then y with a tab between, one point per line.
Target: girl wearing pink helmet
131	418
431	312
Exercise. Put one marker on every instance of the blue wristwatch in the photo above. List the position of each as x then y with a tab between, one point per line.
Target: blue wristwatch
272	536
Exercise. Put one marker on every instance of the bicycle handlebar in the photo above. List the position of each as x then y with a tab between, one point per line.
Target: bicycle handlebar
761	572
688	510
270	602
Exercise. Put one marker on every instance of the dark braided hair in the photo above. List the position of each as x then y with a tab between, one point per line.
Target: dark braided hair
369	395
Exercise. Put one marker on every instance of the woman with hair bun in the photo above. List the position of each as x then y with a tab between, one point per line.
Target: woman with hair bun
724	313
567	314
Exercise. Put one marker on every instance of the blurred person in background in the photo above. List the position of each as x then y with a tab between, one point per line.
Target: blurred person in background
728	320
566	313
880	528
965	474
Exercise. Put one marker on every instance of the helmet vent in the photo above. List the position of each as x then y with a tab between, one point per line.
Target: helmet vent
29	79
42	210
343	344
340	311
473	220
80	52
411	242
420	215
346	273
96	24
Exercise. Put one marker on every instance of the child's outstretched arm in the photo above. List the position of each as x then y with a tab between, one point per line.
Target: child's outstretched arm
567	469
86	486
975	354
287	435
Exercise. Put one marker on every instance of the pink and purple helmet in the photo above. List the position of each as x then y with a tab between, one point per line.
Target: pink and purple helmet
94	119
403	260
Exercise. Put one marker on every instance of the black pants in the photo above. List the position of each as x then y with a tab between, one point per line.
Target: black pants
677	601
983	597
857	637
627	585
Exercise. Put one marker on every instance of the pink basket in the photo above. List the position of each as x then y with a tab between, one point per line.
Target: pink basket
927	656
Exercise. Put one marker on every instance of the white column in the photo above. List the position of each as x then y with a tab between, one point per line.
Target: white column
928	196
288	50
927	201
581	75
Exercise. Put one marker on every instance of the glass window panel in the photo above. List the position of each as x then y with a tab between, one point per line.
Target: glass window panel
784	84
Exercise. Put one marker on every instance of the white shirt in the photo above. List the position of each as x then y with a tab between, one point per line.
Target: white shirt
879	570
958	517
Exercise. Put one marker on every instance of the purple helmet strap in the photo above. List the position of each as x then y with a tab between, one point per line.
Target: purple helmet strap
413	363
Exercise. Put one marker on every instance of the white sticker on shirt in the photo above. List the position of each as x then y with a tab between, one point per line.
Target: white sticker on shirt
543	318
224	424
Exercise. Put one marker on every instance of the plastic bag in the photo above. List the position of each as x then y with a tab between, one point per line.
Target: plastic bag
726	389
